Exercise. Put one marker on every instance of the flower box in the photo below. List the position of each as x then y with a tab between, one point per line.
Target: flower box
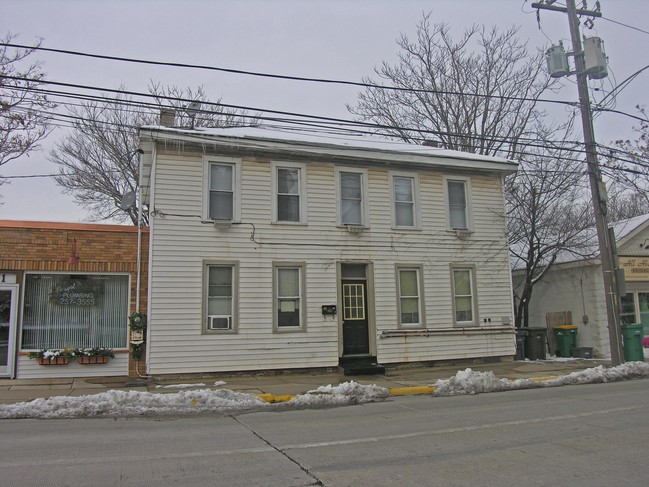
55	360
93	360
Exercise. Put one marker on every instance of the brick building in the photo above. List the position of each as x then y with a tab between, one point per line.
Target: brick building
69	285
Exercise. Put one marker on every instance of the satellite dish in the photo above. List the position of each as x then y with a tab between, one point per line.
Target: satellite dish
192	109
127	200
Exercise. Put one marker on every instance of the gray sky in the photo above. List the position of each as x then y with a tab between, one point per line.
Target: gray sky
332	39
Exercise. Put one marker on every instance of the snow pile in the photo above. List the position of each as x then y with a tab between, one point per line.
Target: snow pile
471	382
343	394
468	381
117	403
628	370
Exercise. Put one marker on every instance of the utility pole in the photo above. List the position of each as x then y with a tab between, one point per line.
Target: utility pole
597	187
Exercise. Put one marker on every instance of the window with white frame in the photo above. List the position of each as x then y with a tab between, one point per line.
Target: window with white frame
410	296
223	191
463	295
351	197
75	311
457	201
404	196
289	300
220	297
289	187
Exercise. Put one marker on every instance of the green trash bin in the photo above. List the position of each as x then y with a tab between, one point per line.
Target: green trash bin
566	336
632	335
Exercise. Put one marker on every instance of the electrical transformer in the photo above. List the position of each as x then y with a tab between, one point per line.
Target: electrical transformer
557	61
595	58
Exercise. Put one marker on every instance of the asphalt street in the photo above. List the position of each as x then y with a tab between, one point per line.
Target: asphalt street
588	435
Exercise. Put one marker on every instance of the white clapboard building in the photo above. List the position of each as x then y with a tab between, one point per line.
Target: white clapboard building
276	250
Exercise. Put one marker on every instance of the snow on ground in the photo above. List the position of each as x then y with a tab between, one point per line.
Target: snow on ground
117	403
471	382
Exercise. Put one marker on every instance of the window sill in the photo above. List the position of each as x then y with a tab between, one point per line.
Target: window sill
352	228
460	233
298	224
286	329
219	332
407	229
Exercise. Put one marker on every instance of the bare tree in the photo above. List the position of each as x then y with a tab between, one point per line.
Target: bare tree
624	203
23	120
549	219
98	160
477	94
627	171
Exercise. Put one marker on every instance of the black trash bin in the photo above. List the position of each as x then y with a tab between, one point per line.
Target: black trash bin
521	333
535	343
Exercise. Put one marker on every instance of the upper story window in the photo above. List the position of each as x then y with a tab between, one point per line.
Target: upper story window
458	203
289	188
464	295
352	199
223	189
405	190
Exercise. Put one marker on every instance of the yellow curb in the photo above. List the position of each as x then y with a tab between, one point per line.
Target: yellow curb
405	391
543	379
272	398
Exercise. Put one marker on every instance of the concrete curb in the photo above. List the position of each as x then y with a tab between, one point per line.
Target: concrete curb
395	391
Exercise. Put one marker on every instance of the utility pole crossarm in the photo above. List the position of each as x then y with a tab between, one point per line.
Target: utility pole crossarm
587	13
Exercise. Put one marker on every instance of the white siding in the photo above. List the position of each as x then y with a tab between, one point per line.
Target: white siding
580	291
579	288
180	245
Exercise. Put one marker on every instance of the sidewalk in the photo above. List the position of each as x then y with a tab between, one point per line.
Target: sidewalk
410	380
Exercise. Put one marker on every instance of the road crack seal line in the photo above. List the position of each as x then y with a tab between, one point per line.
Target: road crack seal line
318	482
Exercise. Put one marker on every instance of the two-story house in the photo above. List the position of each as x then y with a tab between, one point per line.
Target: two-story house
277	250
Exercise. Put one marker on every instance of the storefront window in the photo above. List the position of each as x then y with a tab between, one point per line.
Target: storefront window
643	305
75	310
627	314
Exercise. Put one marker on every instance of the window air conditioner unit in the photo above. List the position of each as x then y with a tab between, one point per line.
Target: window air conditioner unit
222	224
462	233
216	322
354	227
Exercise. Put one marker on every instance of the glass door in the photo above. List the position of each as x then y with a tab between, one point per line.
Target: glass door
8	297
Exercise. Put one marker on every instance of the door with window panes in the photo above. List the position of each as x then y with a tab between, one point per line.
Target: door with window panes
354	310
8	300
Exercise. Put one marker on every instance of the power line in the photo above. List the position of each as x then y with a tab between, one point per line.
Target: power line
245	115
299	119
336	128
280	76
625	25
